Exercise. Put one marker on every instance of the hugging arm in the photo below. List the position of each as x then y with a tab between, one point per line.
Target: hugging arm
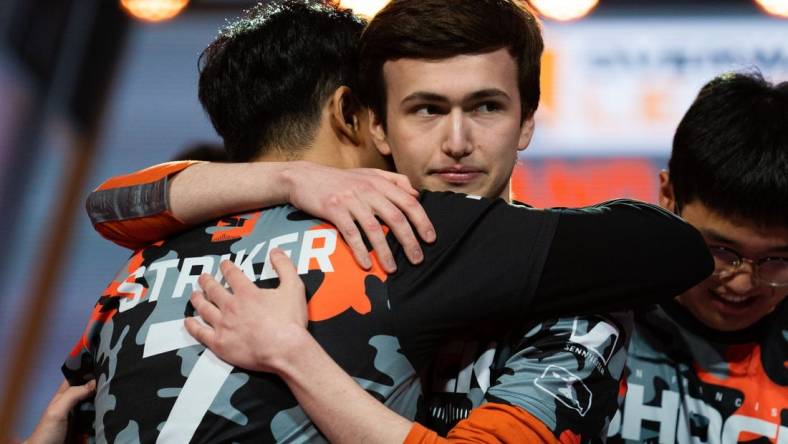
618	255
264	330
156	202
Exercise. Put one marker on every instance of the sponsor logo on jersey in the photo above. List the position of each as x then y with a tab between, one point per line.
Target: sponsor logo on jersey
566	387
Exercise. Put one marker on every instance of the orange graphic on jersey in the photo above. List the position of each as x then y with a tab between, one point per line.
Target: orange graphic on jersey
622	388
345	289
569	437
100	316
761	394
244	225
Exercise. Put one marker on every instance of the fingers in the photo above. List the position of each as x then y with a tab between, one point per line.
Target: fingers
352	236
79	392
212	290
374	231
294	298
287	272
238	281
200	331
398	210
402	230
416	215
399	180
67	396
207	311
408	203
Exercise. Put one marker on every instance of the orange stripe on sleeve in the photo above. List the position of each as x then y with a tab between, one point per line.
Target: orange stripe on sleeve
147	175
490	423
137	232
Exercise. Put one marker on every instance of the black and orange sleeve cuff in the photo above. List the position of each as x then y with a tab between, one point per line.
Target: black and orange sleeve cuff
133	210
490	423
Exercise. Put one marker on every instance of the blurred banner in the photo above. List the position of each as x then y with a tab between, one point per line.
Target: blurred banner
573	182
621	85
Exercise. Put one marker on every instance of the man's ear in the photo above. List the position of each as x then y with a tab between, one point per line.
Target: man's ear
526	133
378	134
667	199
344	108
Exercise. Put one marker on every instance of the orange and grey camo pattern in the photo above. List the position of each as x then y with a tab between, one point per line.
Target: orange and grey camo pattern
687	383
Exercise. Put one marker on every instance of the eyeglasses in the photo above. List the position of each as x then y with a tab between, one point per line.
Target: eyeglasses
771	271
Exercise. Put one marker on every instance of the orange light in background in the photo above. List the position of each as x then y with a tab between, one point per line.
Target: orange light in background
564	10
777	8
153	10
366	8
579	182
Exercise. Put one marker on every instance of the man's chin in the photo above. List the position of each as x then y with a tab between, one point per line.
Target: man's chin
476	188
467	188
720	314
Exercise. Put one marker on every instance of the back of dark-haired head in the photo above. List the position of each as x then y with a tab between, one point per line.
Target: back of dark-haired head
440	29
265	78
206	151
730	151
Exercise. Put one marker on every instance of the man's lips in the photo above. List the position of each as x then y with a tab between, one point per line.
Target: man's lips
457	175
732	304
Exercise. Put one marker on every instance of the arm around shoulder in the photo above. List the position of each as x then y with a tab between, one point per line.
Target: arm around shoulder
620	254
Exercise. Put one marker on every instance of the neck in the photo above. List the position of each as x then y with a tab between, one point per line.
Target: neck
506	194
319	151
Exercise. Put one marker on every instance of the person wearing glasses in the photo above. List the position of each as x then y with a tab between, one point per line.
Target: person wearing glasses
711	365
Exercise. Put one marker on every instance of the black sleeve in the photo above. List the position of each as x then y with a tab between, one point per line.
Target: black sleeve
619	254
481	272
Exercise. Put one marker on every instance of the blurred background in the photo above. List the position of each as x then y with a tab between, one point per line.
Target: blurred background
94	88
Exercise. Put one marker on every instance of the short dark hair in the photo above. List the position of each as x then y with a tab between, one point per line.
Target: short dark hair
207	151
265	78
440	29
730	150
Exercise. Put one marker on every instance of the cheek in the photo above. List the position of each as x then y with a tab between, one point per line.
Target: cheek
408	159
502	139
776	297
698	293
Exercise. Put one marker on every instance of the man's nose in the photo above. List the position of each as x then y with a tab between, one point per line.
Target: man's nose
742	280
458	141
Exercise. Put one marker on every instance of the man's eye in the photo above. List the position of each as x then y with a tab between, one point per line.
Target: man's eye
426	110
488	107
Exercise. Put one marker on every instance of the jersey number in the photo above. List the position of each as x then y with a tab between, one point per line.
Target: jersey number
201	387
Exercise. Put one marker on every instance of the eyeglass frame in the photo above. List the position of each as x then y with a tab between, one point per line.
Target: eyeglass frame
740	260
733	267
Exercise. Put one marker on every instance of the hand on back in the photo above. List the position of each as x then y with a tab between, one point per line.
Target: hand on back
251	328
364	198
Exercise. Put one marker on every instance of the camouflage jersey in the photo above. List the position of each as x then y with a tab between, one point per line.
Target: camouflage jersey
495	266
156	383
688	383
565	372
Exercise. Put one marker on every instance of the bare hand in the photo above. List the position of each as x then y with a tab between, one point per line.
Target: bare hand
344	197
53	425
251	327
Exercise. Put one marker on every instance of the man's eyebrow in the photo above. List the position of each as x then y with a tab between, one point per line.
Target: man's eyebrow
423	96
716	236
491	93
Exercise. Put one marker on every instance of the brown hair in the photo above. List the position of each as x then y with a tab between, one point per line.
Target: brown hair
440	29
